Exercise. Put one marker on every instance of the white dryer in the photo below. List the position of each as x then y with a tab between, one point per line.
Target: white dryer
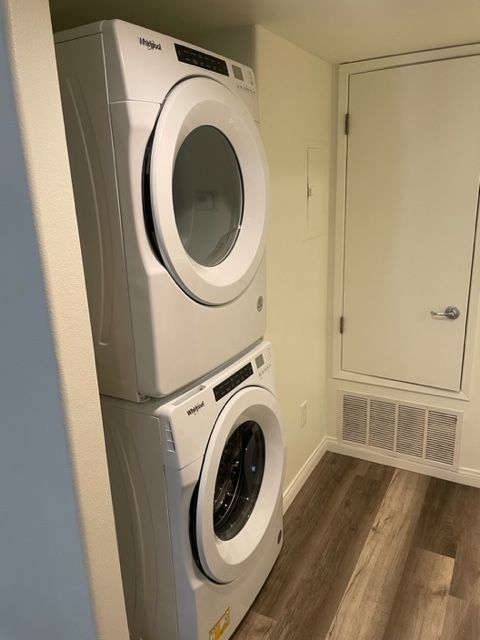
197	489
170	183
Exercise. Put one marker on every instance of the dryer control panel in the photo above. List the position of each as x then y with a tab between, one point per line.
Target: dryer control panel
201	59
242	75
245	79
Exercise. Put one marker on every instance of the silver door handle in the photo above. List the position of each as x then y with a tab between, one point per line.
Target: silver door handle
451	312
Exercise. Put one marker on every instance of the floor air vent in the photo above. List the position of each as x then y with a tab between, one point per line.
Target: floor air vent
355	418
441	434
382	424
402	428
411	430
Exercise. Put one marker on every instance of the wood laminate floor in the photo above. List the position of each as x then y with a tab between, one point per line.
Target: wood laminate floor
373	553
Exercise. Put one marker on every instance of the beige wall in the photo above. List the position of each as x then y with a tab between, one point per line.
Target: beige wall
295	107
30	44
295	92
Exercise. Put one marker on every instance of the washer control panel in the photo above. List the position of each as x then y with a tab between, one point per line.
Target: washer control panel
259	366
263	362
232	381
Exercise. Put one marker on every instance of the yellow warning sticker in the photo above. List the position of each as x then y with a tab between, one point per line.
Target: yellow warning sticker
221	625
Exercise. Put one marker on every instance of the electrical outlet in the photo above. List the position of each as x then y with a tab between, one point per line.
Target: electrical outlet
303	414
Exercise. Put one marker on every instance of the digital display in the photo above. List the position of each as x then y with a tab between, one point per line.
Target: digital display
233	381
237	72
260	361
200	59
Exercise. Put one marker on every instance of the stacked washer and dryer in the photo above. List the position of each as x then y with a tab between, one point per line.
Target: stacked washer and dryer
171	193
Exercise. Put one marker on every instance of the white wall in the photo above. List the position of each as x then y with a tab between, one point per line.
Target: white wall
59	570
295	92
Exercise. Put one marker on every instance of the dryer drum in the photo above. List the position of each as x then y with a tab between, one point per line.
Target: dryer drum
239	479
207	195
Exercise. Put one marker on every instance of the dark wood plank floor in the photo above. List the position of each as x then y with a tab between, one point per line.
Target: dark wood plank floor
373	553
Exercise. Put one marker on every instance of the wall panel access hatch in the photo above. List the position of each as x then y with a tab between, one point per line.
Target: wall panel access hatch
412	179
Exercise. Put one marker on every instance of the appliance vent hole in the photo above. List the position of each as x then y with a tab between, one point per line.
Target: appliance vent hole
411	430
355	418
170	442
382	424
441	437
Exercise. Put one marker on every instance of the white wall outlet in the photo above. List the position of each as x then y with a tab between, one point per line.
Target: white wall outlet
303	414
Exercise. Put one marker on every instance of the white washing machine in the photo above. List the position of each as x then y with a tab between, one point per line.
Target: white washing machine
197	489
171	191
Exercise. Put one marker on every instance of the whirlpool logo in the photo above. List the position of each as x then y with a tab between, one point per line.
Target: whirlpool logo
195	409
150	44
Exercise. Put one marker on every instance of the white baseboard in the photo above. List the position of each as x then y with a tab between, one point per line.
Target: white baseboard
299	480
462	475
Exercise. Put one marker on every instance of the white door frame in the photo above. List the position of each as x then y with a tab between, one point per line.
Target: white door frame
344	73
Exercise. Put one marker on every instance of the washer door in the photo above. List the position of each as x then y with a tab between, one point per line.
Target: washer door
208	191
240	484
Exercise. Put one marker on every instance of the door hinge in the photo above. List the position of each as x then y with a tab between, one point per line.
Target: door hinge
341	324
347	124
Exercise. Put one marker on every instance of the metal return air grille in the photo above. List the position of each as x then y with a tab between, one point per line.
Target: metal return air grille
405	429
382	424
355	418
410	430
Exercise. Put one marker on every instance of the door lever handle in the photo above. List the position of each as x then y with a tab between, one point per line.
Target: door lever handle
451	313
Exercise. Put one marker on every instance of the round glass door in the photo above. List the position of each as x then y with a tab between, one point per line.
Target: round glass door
207	195
240	487
239	479
207	190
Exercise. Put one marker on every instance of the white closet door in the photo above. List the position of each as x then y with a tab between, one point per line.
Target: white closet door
413	165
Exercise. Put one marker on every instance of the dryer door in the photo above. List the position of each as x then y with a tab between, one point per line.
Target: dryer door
208	190
240	485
